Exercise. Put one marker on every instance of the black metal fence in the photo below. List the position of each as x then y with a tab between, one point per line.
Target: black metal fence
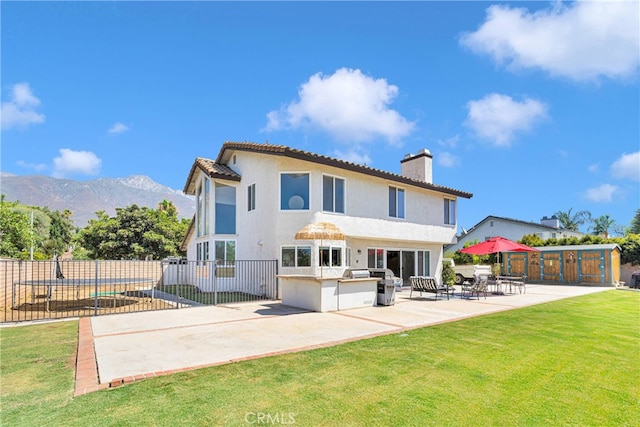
219	282
37	290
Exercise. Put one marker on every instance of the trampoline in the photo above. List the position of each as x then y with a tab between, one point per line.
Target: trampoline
97	287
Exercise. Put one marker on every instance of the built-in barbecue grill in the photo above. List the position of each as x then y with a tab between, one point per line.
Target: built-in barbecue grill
357	274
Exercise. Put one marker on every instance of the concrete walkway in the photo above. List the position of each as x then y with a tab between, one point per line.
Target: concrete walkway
130	347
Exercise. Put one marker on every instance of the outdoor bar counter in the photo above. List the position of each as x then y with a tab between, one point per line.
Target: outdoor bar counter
327	293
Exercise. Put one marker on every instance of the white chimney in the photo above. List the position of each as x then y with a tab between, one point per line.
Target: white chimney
550	222
418	166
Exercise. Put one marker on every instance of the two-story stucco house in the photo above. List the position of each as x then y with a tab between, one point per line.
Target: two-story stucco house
253	199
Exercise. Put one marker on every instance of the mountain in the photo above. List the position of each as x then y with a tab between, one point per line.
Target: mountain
85	198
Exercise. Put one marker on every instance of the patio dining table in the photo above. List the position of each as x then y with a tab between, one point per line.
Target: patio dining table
511	281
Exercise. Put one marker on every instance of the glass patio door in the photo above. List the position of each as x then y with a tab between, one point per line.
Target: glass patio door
408	266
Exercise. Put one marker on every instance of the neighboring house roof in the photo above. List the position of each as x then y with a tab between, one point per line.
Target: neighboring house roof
517	221
212	169
220	170
524	227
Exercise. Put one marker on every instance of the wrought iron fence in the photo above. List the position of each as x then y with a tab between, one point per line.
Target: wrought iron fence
219	282
37	290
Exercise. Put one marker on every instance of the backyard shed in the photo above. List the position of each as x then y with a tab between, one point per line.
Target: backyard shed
575	264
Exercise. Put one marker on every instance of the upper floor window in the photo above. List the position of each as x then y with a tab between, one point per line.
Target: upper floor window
225	209
332	194
449	211
202	207
251	197
294	191
396	202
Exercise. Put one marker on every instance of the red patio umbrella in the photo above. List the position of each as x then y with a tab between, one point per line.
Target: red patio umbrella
496	245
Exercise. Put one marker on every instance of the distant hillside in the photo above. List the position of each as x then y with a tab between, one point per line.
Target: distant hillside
85	198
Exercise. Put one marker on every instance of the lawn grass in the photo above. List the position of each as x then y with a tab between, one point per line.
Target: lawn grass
569	362
192	293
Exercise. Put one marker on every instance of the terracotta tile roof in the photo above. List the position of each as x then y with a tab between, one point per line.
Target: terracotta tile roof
212	169
280	150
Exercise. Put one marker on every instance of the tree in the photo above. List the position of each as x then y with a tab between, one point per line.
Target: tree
448	274
168	207
630	249
134	233
573	222
601	225
61	232
532	240
15	230
634	227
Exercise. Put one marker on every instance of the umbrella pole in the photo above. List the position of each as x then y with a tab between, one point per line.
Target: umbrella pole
321	260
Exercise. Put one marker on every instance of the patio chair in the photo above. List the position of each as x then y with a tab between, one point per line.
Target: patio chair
478	286
427	284
519	284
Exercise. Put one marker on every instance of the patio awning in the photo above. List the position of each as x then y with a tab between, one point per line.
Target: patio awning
320	231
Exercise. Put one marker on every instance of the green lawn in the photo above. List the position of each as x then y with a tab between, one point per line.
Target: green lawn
192	293
571	362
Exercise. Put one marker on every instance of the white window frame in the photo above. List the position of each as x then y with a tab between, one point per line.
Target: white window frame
398	190
449	213
251	197
423	269
202	252
333	194
330	250
221	185
295	252
379	257
308	190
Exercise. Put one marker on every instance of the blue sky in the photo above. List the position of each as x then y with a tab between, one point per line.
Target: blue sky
531	106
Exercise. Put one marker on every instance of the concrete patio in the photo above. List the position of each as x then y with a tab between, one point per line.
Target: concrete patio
118	349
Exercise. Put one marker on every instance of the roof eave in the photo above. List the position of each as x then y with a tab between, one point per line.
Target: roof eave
189	187
280	150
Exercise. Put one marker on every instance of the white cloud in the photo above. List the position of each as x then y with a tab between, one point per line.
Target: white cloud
353	156
581	41
450	142
76	162
498	118
346	105
602	194
118	128
38	167
20	110
594	168
627	167
448	160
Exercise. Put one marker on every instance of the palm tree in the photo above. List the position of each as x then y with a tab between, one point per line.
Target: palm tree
601	225
573	222
168	207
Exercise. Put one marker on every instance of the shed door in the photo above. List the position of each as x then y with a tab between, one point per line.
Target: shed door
517	264
591	266
551	267
570	267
